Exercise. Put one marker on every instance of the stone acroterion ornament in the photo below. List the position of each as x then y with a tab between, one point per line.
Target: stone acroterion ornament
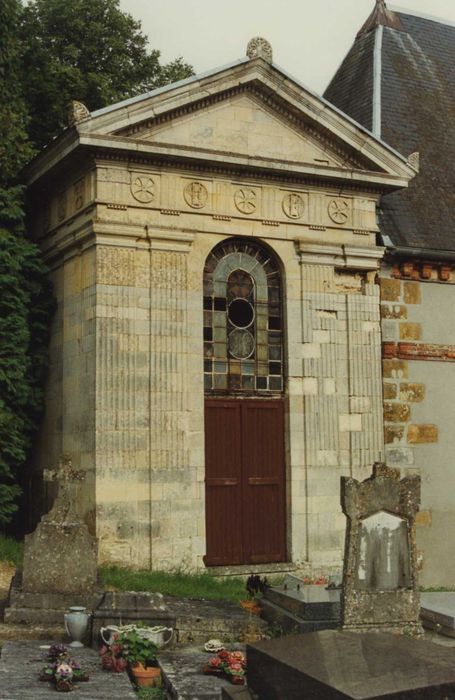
258	47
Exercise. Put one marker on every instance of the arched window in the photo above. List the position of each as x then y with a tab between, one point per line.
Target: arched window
243	334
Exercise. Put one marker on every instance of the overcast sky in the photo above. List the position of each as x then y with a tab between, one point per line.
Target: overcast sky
309	37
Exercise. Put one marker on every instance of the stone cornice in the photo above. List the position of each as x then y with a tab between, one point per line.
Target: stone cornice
339	256
162	154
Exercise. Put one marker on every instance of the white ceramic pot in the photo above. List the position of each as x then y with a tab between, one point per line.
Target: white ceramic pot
76	624
160	635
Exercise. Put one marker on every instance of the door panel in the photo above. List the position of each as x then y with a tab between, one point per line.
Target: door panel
245	496
222	482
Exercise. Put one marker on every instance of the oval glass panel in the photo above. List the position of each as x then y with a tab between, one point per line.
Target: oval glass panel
240	344
241	313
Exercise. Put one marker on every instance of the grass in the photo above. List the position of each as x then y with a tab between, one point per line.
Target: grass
11	550
151	694
437	589
176	584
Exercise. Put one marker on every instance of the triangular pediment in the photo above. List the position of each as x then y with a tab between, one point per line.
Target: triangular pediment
243	124
249	114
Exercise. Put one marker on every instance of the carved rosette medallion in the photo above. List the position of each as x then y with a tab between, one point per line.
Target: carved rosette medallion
79	194
338	210
61	206
245	200
195	195
142	188
258	47
293	205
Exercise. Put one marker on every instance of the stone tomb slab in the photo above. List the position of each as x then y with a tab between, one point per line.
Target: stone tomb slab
437	611
310	602
339	665
20	666
298	608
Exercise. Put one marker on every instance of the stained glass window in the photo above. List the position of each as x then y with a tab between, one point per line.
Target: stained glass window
243	330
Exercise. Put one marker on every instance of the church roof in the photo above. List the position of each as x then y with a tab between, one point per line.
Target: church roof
400	83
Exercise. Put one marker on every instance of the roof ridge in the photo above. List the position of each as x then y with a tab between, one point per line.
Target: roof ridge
381	16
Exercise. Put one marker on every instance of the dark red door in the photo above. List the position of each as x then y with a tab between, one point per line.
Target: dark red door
245	495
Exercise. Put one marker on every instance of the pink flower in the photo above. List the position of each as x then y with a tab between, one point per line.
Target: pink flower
215	662
235	666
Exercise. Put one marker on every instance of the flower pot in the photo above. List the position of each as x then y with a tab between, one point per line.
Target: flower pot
146	677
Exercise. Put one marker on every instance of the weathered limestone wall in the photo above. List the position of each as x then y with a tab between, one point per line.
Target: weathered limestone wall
341	388
419	352
126	398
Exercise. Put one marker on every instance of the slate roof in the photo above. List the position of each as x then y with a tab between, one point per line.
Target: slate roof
417	114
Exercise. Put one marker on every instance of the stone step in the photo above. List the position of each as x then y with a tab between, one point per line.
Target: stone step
14	632
290	623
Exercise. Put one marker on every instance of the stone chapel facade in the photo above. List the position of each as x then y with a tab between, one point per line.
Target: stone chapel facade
216	353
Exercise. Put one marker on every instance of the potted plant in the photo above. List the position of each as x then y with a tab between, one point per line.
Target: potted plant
140	654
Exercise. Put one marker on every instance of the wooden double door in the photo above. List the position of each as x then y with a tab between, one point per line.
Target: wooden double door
245	481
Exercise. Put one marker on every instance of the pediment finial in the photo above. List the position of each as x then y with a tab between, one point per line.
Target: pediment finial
381	16
77	112
258	47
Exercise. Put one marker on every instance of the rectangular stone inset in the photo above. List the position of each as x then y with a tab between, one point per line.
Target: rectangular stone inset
393	434
396	412
423	518
414	393
410	331
390	391
390	289
422	433
394	311
412	293
395	369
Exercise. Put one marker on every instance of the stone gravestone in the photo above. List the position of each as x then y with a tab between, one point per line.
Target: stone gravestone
363	660
60	556
379	578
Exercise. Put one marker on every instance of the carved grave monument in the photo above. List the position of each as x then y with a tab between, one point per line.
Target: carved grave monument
379	577
60	555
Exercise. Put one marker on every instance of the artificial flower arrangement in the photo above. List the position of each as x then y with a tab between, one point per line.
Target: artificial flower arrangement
231	664
113	656
63	671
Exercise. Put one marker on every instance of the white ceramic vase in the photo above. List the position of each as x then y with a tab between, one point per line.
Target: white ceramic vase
76	624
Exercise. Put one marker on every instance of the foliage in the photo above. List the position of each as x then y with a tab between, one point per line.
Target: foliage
175	584
11	550
25	298
88	50
137	648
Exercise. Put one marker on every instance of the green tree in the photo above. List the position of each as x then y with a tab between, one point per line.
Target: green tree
25	298
86	50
